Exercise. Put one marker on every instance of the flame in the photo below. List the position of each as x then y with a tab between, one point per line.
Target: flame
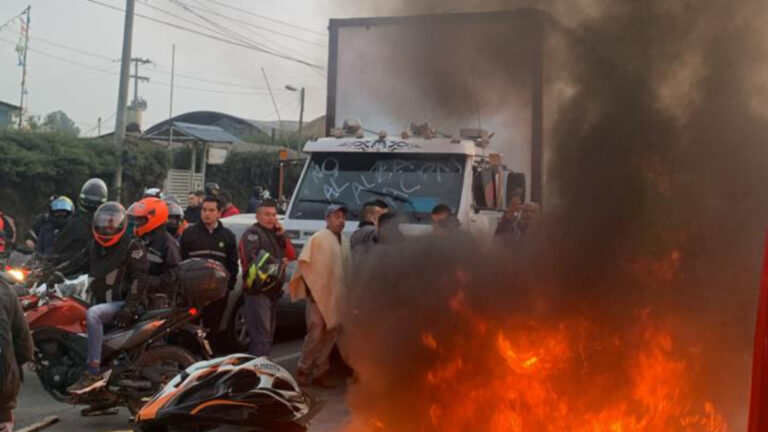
509	375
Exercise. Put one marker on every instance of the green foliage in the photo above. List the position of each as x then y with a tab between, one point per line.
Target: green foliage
59	122
36	165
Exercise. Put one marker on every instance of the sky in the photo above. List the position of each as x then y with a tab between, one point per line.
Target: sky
75	46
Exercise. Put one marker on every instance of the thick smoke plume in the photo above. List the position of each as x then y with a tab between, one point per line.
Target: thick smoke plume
657	201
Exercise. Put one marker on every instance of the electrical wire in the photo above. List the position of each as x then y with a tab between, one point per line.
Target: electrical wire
250	24
211	36
245	11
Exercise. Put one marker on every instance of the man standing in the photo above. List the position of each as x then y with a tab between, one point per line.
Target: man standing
367	232
507	227
229	208
210	239
319	278
263	255
194	201
256	199
439	213
71	242
16	348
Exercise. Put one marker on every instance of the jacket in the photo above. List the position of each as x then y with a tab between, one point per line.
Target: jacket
164	255
8	226
366	235
46	236
254	239
72	241
122	269
230	211
192	214
219	245
16	348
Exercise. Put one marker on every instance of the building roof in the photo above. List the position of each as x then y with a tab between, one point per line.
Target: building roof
10	106
191	132
245	129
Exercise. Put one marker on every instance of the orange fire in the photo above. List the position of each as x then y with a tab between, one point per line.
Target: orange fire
570	376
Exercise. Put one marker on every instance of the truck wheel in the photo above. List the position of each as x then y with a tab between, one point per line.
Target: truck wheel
237	330
160	365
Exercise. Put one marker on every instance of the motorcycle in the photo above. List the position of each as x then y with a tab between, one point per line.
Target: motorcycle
141	358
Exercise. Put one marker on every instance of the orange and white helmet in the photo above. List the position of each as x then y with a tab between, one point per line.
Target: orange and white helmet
237	390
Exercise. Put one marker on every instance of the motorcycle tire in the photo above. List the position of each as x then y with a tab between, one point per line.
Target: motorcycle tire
162	354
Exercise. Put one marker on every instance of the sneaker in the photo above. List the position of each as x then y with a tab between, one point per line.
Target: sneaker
323	382
86	383
302	378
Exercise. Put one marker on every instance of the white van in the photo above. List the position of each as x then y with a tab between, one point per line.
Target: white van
411	174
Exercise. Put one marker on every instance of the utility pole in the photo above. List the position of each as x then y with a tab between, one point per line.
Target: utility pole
98	127
24	66
301	112
136	77
122	96
277	111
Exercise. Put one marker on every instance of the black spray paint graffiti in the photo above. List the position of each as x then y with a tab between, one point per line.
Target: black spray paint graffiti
389	178
380	144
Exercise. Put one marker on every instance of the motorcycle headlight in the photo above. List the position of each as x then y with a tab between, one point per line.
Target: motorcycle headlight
17	274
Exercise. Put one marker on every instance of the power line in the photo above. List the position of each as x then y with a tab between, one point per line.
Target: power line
214	37
250	24
68	48
267	18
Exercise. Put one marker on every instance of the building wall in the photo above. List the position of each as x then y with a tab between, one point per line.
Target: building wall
7	116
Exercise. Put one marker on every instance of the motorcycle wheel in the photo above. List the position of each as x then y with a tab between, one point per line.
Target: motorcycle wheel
160	365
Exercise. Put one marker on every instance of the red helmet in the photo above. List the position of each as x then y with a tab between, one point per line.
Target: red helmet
109	223
149	213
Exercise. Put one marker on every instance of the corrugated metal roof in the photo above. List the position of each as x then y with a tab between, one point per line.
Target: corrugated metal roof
206	133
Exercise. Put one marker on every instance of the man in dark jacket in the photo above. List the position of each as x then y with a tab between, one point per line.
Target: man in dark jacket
119	264
16	348
59	213
210	239
367	232
194	202
263	258
150	217
70	244
256	199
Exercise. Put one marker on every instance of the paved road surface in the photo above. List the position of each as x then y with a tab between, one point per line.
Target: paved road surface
35	404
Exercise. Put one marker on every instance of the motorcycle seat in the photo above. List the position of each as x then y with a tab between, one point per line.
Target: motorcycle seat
155	314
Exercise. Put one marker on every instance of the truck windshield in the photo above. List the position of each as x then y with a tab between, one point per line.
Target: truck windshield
411	184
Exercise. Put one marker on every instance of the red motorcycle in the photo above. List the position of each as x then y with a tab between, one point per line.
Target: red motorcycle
142	358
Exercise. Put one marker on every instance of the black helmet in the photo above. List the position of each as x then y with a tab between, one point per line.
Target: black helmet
212	188
175	216
237	390
264	274
92	194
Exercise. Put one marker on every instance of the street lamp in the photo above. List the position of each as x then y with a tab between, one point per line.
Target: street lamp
301	112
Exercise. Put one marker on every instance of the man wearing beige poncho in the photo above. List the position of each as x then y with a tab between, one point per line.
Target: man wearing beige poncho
319	277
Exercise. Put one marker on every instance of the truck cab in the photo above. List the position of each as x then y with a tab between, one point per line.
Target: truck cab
412	174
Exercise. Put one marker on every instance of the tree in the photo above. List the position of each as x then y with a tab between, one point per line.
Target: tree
59	122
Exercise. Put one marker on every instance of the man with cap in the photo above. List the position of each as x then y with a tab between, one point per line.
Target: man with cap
319	277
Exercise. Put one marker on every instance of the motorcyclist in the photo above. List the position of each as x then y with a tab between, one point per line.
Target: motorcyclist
118	264
153	192
8	226
71	242
176	223
37	223
59	212
150	218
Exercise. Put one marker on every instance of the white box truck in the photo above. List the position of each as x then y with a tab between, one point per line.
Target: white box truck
471	72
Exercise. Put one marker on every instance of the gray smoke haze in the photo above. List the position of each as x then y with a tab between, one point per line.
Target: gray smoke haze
657	187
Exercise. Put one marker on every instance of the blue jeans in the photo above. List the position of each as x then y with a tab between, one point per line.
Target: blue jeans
261	319
96	317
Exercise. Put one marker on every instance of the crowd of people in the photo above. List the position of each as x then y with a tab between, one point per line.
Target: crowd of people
133	256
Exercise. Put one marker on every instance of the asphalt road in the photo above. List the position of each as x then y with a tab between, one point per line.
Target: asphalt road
34	403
